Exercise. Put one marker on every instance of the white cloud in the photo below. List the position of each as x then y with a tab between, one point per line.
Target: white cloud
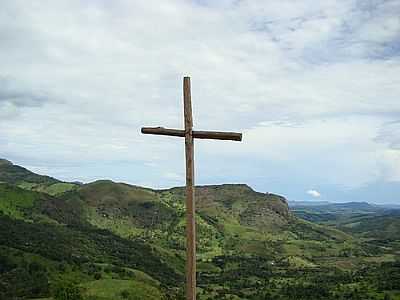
296	77
342	151
314	193
173	176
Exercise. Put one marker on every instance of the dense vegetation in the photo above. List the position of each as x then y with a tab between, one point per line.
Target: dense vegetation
107	240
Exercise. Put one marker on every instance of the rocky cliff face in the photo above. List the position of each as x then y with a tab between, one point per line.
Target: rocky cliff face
240	203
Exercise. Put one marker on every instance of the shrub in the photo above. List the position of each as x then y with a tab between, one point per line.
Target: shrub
125	294
67	291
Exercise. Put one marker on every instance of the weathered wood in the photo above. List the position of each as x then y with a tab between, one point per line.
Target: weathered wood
189	134
217	135
163	131
214	135
190	203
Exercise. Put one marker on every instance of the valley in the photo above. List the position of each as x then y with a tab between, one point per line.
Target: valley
107	240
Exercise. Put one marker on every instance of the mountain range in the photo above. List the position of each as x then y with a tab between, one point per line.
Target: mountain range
108	240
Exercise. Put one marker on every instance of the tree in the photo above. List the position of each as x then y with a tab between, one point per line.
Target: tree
67	291
125	294
387	297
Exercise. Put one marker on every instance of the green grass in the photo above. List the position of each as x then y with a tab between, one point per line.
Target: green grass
299	263
112	289
58	188
16	202
51	189
122	226
132	240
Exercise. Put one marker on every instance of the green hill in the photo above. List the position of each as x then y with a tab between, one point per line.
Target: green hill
377	224
16	175
381	229
107	240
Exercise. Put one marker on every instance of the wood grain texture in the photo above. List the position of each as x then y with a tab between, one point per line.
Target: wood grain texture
190	201
213	135
189	134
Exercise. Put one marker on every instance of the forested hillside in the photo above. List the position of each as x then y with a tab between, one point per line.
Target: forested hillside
106	240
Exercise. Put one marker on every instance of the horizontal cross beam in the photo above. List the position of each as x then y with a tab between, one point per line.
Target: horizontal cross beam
215	135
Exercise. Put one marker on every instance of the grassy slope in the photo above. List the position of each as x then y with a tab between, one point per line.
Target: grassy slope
381	226
116	288
20	212
225	214
231	219
113	281
22	204
245	238
16	202
376	225
79	245
17	175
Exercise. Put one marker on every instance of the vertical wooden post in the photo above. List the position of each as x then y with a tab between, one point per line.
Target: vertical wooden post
189	135
190	203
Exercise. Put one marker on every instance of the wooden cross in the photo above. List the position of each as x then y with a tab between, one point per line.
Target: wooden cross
189	135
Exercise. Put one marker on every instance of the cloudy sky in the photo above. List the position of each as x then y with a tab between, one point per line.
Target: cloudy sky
313	85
